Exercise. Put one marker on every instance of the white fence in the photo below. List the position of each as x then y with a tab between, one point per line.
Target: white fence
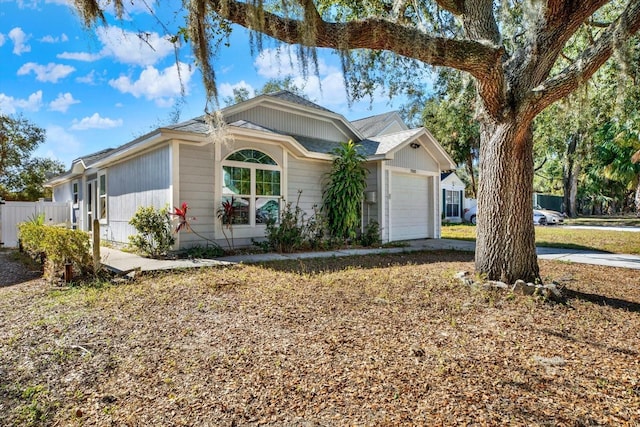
13	213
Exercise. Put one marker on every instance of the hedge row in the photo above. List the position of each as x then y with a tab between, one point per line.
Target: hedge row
58	246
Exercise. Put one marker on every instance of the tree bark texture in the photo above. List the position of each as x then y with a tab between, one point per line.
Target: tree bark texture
505	244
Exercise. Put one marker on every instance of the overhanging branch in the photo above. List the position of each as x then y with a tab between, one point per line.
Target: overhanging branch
372	33
557	87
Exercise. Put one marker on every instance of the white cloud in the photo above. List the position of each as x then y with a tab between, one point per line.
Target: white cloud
284	61
226	89
131	48
46	73
160	86
19	39
10	105
2	39
126	47
80	56
96	122
325	87
62	102
51	39
91	79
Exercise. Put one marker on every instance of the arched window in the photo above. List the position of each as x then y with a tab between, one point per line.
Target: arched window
251	179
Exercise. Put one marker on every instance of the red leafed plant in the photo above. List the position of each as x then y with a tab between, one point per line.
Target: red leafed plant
183	221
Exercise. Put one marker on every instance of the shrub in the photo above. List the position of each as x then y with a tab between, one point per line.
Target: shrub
155	236
57	246
371	235
287	235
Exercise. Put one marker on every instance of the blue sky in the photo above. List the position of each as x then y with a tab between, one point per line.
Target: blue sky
102	87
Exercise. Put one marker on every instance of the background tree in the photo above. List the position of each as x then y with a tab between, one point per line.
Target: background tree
449	116
510	48
241	94
21	176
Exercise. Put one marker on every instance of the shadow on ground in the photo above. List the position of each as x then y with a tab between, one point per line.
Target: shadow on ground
603	300
333	264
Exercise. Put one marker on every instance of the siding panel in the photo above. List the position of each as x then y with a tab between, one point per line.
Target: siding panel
290	123
141	181
309	177
197	190
418	159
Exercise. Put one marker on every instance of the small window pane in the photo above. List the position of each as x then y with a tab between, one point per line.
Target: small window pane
103	185
239	212
268	184
267	208
236	180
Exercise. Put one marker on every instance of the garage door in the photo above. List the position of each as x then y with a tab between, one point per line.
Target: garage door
409	207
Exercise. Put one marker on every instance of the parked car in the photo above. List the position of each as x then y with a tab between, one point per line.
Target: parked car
553	217
539	218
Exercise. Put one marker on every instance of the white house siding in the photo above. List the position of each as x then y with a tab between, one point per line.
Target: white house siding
141	181
416	159
62	192
196	172
309	177
290	123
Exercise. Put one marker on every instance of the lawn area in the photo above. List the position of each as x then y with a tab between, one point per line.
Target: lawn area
618	242
375	340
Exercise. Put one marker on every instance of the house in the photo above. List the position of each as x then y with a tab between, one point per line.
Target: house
270	149
452	197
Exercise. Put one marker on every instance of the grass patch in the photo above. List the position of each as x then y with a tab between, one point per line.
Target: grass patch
387	339
620	242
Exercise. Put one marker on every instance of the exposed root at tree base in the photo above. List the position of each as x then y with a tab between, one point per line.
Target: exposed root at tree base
548	292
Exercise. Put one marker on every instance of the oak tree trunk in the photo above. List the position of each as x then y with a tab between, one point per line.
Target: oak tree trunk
505	245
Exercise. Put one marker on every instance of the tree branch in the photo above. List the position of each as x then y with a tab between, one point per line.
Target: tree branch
371	33
557	87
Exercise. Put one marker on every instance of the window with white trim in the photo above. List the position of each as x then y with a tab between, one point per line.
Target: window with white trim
102	196
251	183
452	204
74	190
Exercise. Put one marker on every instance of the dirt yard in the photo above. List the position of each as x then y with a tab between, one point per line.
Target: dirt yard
376	340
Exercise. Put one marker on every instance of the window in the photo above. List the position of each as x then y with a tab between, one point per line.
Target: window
102	196
452	204
251	181
75	192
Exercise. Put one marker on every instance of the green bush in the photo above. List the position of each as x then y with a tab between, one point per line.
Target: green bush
371	235
155	235
57	246
287	235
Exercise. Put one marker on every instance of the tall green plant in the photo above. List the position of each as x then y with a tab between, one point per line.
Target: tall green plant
345	191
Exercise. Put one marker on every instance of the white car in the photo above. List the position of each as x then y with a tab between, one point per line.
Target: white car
539	218
553	217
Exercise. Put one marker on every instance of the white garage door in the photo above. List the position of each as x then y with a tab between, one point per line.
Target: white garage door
409	207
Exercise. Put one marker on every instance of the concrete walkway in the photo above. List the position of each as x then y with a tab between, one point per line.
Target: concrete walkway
124	261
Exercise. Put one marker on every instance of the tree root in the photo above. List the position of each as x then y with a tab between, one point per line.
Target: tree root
548	292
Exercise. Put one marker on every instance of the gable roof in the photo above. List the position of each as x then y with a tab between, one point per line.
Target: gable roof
375	125
295	99
373	144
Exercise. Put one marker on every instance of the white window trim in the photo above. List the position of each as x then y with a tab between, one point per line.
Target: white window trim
98	207
252	197
459	204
